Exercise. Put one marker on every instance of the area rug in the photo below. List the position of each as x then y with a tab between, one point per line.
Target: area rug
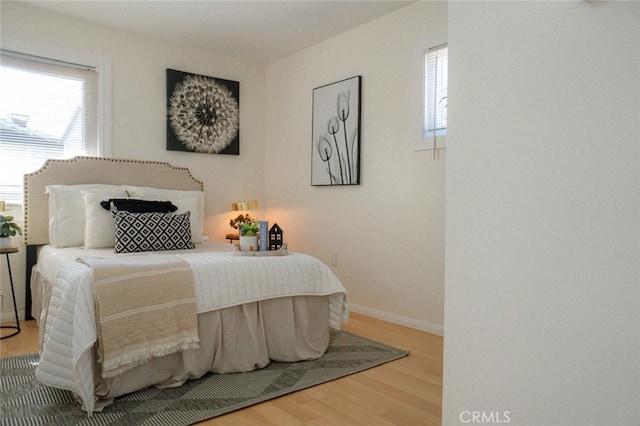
24	401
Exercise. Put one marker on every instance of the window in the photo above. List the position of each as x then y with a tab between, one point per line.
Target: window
48	109
436	77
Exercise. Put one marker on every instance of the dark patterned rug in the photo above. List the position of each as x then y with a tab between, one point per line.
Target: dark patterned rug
24	401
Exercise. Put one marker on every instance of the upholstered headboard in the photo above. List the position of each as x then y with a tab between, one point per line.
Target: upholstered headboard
87	170
79	170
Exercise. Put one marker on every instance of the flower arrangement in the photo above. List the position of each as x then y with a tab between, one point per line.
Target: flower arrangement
245	225
235	223
8	228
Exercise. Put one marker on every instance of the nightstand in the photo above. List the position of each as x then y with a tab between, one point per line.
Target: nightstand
7	252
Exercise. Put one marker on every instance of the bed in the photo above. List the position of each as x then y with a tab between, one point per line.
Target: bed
120	308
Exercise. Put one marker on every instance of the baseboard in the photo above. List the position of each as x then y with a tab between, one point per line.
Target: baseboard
10	317
398	319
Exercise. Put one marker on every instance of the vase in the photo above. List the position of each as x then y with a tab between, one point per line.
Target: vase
248	243
5	242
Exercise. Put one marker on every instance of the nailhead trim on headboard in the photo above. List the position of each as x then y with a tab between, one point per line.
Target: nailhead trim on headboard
99	174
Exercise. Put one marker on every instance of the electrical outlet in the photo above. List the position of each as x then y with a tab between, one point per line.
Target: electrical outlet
334	259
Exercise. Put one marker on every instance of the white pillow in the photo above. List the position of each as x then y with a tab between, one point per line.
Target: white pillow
191	205
99	226
176	196
66	211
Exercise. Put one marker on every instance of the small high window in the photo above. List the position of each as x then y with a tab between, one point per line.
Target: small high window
436	79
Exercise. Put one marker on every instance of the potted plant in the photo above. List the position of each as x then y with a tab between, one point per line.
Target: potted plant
248	231
8	229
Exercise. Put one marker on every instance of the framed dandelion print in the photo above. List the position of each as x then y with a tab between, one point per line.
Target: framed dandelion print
335	151
203	114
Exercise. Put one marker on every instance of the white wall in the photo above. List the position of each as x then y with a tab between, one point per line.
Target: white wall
388	232
542	300
138	112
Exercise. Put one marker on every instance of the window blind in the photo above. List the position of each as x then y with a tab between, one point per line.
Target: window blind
436	82
48	109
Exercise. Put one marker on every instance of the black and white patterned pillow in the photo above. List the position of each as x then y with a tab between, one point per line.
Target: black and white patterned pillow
152	231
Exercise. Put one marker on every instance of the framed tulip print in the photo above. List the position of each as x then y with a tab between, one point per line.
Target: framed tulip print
335	140
203	114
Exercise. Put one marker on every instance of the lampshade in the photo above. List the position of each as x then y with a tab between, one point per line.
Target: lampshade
244	205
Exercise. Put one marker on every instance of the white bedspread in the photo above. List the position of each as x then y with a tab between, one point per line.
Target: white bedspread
221	280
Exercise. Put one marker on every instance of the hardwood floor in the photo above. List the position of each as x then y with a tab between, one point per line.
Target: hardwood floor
22	343
407	391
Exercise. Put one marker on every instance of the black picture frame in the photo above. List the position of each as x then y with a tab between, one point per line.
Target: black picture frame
335	140
203	113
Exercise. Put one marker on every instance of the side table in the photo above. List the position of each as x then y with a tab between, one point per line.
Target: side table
7	252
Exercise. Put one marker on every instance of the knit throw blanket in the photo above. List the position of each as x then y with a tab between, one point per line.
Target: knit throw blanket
145	308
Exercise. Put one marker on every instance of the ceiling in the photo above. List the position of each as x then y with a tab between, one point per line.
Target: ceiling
256	31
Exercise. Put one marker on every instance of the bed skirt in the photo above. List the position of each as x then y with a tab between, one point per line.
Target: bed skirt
234	339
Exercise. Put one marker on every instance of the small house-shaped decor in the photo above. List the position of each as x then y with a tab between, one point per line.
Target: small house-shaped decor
275	237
